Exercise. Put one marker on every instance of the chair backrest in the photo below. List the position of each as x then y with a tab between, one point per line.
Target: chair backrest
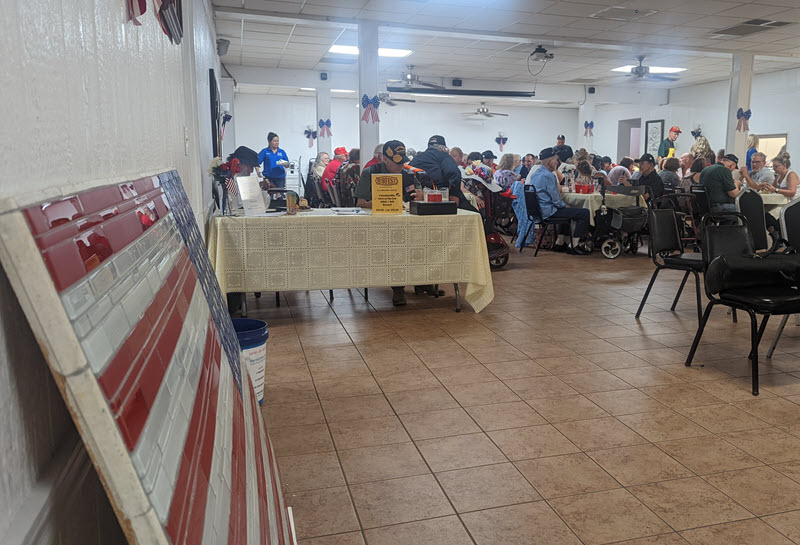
664	235
725	239
702	204
750	204
532	204
790	223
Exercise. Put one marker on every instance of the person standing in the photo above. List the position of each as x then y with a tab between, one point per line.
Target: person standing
561	149
752	147
667	147
275	162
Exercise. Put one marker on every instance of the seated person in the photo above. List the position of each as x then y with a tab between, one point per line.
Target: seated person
546	184
669	174
693	176
787	183
649	177
719	184
621	174
587	174
442	169
759	174
392	161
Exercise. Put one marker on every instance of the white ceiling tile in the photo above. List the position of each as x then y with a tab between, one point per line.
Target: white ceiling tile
792	15
571	9
546	19
597	24
753	11
330	11
269	5
386	16
668	18
526	29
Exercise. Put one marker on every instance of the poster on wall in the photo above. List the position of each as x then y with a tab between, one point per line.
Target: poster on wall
654	135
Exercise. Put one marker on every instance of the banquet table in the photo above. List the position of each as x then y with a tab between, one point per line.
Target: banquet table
319	250
773	202
593	201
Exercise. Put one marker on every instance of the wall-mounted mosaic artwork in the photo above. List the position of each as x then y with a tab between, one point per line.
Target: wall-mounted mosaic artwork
118	289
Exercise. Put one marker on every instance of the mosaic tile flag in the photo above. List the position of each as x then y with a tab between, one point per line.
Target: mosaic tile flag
118	289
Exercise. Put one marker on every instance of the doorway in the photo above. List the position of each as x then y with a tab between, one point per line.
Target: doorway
629	138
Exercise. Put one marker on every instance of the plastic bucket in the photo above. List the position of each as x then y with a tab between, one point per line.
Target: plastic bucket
253	335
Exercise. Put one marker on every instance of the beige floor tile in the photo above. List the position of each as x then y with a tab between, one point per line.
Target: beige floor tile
346	387
460	451
525	524
689	503
640	377
517	369
331	353
382	462
547	350
625	402
638	342
432	424
732	390
338	369
290	393
371	432
413	401
466	374
416	379
745	531
322	512
722	418
561	365
660	356
567	408
396	501
708	454
681	395
606	517
343	409
770	445
532	442
292	414
440	531
289	373
486	487
351	538
389	365
790	469
540	387
616	360
664	539
695	372
494	353
600	433
501	416
639	464
778	412
598	381
590	346
662	425
762	490
484	393
301	440
566	475
310	471
786	523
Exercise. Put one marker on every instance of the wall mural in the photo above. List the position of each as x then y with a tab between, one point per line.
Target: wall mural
118	289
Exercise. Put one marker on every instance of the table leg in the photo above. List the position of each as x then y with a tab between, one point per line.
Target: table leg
277	298
366	294
330	292
244	305
458	298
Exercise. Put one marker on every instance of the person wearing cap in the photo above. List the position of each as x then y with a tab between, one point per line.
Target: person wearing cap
546	184
719	184
649	177
329	175
667	147
274	160
442	169
393	157
488	159
562	150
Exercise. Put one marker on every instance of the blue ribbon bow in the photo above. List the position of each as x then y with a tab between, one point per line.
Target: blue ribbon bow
325	128
310	134
370	106
501	140
743	116
696	134
587	128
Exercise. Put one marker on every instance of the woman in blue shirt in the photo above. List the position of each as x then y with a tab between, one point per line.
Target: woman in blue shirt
274	160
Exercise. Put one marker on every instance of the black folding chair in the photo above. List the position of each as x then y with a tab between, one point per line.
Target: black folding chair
751	206
535	216
666	245
790	234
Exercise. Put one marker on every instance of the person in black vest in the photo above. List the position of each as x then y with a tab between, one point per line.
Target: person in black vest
442	169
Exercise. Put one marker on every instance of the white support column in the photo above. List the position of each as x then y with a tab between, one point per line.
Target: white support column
227	98
741	88
369	129
585	115
324	115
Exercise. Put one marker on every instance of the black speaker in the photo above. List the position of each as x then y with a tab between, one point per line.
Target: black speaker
323	76
456	82
591	90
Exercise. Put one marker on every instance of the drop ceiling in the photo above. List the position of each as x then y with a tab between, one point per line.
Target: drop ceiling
655	30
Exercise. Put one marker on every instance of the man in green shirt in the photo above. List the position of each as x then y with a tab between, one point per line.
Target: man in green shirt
668	144
719	184
393	159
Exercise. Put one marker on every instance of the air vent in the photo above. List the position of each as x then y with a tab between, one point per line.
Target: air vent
764	22
622	14
750	27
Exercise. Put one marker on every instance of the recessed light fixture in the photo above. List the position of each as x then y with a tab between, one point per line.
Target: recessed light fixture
307	89
653	69
382	51
342	91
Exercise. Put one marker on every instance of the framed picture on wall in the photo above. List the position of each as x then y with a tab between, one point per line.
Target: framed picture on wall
654	135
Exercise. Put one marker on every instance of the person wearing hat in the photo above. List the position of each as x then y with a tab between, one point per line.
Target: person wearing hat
667	147
275	160
719	184
393	158
329	175
562	150
442	169
649	177
546	184
488	159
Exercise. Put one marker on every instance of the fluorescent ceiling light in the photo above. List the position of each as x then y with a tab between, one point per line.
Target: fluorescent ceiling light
307	89
342	91
382	51
653	69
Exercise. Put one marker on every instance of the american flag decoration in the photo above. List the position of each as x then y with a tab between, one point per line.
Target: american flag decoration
370	106
230	185
136	8
119	291
501	140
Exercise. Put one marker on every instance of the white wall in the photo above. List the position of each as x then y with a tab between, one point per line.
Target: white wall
529	129
87	96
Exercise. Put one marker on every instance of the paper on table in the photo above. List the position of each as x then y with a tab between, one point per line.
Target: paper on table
348	211
250	191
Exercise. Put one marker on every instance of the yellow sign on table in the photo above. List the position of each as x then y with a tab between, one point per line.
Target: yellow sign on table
387	193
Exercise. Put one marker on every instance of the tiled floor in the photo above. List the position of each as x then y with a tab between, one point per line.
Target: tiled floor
552	417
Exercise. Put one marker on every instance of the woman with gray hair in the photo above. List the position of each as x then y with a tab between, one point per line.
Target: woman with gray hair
320	163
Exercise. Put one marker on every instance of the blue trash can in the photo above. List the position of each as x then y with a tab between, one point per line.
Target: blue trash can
253	335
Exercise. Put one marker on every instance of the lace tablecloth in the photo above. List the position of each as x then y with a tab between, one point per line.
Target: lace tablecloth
319	250
593	201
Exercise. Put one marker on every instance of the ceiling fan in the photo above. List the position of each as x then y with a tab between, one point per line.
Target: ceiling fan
482	111
387	99
410	79
640	72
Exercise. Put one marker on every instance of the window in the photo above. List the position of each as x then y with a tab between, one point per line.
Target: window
770	145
